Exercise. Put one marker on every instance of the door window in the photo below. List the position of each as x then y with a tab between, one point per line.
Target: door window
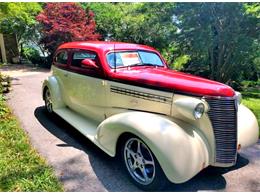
62	58
75	66
78	56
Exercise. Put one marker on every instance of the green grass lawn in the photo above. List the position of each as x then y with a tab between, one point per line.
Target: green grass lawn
21	167
251	99
254	105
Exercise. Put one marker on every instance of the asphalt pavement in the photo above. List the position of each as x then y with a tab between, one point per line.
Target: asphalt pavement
81	166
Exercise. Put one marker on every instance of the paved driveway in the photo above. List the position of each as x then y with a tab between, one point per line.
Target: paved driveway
81	166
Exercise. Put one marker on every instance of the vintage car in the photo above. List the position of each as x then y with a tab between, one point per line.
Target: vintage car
163	124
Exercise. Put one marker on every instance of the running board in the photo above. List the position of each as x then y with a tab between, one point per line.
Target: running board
84	125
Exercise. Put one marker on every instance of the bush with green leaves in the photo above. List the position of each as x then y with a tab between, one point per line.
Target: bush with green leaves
3	109
1	89
5	84
247	84
1	86
32	54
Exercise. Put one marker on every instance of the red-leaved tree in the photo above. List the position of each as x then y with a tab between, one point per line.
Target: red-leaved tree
65	22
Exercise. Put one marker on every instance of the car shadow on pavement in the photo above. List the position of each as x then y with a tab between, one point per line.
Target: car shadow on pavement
109	171
209	179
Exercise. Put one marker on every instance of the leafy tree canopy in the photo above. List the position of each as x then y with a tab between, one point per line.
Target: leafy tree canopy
18	17
65	22
145	23
219	38
253	9
215	40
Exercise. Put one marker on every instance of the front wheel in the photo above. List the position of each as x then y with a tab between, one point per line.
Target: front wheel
48	101
141	165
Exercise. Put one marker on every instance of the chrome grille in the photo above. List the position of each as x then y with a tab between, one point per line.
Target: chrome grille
223	116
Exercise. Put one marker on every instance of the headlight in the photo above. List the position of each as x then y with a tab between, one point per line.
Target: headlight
199	110
189	107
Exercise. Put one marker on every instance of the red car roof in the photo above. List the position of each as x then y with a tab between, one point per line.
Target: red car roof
161	78
105	46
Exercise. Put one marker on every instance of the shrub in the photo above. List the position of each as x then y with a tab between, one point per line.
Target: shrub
3	109
32	54
5	84
247	84
1	86
1	89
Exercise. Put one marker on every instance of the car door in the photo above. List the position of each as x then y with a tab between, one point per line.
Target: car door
85	85
60	71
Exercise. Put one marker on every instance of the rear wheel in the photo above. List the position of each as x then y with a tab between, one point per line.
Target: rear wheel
141	165
48	101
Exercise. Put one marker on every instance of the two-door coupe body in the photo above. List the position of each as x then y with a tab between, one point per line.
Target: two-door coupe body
162	123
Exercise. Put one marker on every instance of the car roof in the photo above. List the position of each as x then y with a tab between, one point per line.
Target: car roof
104	46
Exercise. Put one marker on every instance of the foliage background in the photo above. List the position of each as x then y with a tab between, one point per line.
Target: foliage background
219	41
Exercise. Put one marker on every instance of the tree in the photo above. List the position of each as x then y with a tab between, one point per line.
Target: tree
65	22
144	23
219	38
252	10
18	18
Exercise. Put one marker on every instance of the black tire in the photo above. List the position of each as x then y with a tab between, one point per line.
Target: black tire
156	179
48	101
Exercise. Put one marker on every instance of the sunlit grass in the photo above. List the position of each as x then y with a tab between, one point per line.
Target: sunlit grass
21	167
251	99
254	105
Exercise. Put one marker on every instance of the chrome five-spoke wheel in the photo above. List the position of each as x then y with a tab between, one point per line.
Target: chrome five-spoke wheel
141	165
48	101
139	161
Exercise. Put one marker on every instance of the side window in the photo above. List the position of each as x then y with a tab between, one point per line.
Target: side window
78	56
61	58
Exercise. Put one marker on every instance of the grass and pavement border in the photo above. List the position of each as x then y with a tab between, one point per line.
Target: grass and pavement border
21	167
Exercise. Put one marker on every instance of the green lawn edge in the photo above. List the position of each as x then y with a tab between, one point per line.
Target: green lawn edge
254	105
251	99
21	167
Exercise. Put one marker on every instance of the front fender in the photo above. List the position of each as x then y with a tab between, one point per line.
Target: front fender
53	85
180	149
247	127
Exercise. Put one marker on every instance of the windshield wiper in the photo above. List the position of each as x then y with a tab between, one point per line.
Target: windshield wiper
140	64
145	64
149	64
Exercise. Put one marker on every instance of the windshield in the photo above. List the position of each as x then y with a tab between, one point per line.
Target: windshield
133	58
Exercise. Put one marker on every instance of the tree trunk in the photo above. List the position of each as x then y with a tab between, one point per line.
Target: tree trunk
214	54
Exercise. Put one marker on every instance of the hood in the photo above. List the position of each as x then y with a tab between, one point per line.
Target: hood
170	80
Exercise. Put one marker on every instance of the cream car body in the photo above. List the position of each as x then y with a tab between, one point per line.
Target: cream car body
104	110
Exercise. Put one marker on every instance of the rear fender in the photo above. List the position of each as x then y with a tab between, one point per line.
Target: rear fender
180	149
53	85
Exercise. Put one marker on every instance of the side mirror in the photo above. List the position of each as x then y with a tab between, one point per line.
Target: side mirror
88	63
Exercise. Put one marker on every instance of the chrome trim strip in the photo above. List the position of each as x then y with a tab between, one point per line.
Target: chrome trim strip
142	95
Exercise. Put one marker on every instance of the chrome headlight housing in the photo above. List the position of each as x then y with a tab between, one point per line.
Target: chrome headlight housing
238	97
198	111
190	107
